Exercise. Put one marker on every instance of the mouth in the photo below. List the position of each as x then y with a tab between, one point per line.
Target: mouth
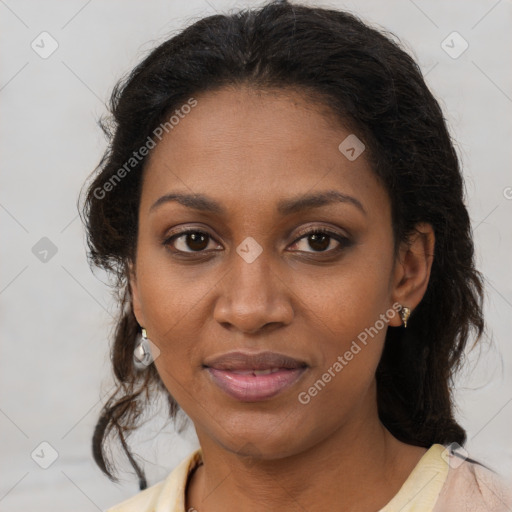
254	377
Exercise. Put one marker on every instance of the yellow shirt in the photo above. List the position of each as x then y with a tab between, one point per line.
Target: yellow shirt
440	482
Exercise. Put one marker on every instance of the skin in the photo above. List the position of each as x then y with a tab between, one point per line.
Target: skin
248	150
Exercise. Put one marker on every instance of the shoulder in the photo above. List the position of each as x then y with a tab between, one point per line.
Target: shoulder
167	495
144	501
471	487
445	480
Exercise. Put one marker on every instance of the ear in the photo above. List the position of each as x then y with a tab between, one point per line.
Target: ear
135	295
412	270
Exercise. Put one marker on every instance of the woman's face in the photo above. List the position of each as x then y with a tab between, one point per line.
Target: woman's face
258	277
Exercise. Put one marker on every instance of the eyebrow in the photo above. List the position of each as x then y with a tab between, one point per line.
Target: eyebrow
284	207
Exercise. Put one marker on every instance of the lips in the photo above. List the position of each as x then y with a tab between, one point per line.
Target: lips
246	362
254	377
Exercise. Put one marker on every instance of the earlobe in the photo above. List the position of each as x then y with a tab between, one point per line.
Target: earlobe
134	293
412	271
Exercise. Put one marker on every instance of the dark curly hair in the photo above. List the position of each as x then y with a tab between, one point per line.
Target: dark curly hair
368	82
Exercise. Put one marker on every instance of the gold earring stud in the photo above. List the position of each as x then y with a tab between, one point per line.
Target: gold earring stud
405	313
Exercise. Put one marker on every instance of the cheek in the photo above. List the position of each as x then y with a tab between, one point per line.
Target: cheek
167	300
350	307
169	292
351	342
350	297
176	308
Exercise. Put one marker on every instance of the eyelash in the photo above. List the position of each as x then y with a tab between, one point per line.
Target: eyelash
343	241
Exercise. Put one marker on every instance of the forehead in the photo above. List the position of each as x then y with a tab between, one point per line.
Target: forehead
242	145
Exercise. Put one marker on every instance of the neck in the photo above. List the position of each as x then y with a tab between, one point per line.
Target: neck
336	473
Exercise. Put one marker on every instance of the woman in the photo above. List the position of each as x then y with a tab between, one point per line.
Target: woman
283	208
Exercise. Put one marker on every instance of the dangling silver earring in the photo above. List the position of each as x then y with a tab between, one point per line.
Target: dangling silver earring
405	313
142	355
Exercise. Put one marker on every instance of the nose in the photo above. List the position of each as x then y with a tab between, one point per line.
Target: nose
253	296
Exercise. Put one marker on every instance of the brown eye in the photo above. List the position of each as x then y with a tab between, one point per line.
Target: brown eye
189	241
321	241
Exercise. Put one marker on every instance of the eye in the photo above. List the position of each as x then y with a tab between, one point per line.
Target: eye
191	240
321	240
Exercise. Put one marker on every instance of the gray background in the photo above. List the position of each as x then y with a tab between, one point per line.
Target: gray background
56	316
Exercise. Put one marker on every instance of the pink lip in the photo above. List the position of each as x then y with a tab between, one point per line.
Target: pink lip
248	387
241	360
